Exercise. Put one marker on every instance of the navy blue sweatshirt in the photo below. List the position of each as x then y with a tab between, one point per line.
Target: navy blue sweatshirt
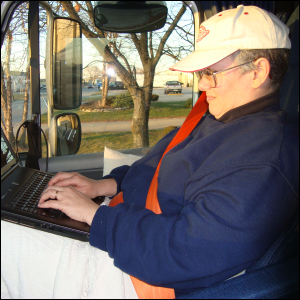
226	193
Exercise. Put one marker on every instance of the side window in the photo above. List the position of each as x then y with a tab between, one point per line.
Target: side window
15	83
125	86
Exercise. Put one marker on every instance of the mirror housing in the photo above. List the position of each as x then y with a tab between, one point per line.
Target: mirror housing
65	134
130	16
67	63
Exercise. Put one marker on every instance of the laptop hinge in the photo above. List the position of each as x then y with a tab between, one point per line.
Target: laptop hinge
9	171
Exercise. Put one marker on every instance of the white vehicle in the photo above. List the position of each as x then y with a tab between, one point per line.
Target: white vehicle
173	87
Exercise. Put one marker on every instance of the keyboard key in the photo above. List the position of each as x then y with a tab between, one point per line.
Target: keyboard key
28	197
18	206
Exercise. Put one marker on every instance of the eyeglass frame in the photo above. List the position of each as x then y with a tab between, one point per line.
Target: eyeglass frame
214	73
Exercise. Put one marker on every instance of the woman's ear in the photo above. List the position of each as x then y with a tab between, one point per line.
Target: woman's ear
261	74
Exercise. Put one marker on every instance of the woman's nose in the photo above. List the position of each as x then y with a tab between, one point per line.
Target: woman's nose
204	84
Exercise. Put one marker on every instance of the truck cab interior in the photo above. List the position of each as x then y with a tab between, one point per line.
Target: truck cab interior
276	274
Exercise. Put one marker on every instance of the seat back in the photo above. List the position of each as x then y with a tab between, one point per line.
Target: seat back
274	276
285	247
289	92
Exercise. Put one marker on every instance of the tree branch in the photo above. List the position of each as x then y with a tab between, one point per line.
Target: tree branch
167	34
181	28
121	55
74	15
150	42
137	43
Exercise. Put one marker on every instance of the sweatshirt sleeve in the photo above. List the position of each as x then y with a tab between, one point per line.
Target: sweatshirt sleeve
228	220
118	174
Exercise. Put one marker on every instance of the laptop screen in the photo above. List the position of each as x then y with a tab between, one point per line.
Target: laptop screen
8	157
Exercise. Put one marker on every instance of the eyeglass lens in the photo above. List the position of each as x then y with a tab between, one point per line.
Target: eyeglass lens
209	76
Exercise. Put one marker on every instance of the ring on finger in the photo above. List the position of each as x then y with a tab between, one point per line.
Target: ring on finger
56	194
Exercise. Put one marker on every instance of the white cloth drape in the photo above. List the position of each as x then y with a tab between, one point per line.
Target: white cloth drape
37	264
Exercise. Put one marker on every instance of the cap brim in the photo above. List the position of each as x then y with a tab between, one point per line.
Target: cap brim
202	59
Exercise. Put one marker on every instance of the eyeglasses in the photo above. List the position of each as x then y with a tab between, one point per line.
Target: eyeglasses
211	76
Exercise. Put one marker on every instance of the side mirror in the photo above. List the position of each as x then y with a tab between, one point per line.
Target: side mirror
130	16
67	64
65	134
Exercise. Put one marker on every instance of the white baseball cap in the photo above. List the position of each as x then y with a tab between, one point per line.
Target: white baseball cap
244	27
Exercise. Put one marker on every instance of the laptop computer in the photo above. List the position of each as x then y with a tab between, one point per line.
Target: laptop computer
21	188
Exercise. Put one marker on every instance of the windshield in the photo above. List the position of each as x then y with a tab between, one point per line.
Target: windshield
124	76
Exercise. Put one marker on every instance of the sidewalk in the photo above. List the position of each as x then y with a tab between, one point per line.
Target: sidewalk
120	126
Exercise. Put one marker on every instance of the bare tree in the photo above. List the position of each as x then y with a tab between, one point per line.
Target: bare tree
92	72
148	52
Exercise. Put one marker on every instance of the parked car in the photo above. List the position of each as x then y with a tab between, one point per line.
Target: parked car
43	87
173	86
116	85
90	86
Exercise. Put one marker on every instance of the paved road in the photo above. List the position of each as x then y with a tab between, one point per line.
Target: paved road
186	94
121	126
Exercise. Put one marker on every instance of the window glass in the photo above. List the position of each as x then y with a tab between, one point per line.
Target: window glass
15	83
115	108
126	103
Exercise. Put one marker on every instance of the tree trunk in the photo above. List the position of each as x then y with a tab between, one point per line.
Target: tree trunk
142	101
9	94
140	117
21	142
105	81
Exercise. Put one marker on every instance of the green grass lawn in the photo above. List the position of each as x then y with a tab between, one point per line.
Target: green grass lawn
95	142
18	96
157	110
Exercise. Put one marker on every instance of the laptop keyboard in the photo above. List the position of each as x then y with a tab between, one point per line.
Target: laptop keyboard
28	197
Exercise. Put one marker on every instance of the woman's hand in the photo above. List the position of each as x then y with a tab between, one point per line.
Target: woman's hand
70	201
89	187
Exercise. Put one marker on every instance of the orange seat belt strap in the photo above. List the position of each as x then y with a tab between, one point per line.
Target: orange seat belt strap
145	290
116	200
